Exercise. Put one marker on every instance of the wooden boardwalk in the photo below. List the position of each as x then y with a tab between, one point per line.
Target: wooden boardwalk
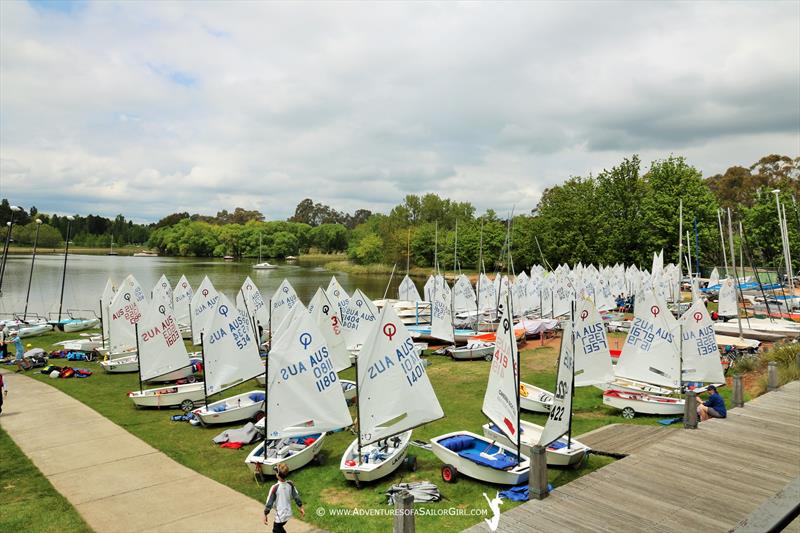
620	440
706	479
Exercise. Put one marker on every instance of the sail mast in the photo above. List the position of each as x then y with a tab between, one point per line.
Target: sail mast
30	278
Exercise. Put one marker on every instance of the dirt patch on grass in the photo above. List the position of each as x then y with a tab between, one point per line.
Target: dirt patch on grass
345	498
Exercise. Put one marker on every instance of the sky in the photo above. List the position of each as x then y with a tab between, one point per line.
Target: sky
149	108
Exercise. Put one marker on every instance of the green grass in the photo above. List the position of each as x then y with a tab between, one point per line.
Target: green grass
29	501
459	385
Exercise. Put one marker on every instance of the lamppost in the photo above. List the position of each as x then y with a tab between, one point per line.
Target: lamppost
10	225
64	274
30	278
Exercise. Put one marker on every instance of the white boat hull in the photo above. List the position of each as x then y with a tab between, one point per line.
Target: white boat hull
237	408
121	365
631	385
512	476
81	325
354	470
169	396
34	330
466	353
349	389
258	465
564	456
642	403
532	398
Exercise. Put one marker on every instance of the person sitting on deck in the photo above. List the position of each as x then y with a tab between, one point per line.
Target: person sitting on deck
714	407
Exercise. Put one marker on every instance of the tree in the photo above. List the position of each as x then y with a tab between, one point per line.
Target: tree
367	250
283	244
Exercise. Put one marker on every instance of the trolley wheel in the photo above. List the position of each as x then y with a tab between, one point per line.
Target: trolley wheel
258	416
191	379
488	357
358	483
628	413
411	463
449	474
318	459
187	405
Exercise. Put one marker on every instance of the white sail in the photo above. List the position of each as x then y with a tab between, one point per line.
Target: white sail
230	348
592	357
336	293
487	297
727	298
441	311
394	392
181	301
161	348
713	279
126	309
408	290
105	304
327	319
250	299
283	300
464	299
501	402
561	412
650	352
162	292
303	391
701	357
359	314
563	295
428	288
201	306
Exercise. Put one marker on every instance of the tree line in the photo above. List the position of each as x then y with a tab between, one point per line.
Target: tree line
623	214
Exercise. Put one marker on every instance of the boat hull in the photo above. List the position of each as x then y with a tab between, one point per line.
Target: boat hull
80	325
257	464
238	408
564	456
467	353
641	403
533	398
366	471
121	365
514	476
170	396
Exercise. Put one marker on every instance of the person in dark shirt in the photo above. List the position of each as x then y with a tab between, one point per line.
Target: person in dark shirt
714	407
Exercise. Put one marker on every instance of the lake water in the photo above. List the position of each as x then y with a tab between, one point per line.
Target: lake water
87	275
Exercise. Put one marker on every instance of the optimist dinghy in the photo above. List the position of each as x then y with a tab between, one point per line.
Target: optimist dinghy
473	350
121	365
559	453
304	397
631	403
161	351
124	311
394	396
480	457
533	398
230	357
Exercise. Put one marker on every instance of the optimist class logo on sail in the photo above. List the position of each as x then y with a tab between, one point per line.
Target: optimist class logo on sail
319	362
404	355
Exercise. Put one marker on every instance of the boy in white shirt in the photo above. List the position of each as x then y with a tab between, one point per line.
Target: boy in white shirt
280	496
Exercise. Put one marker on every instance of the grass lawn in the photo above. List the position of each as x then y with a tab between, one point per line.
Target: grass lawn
29	501
459	385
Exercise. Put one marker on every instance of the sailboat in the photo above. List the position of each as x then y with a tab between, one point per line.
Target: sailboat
181	306
304	398
230	357
162	353
649	365
124	312
105	302
201	308
394	397
480	457
250	300
559	451
359	314
326	316
162	292
283	300
262	265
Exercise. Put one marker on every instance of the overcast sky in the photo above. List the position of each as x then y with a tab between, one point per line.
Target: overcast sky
151	108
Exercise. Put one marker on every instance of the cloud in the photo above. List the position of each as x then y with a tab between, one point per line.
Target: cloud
150	109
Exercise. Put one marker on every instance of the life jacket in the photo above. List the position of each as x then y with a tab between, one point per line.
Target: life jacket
67	372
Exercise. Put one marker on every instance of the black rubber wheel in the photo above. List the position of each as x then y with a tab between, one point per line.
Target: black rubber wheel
488	357
628	413
358	483
449	474
319	459
187	405
191	379
411	463
258	416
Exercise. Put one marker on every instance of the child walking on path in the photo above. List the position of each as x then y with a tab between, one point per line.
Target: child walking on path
280	496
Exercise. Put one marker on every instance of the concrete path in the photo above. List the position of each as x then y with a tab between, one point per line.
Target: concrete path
117	482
